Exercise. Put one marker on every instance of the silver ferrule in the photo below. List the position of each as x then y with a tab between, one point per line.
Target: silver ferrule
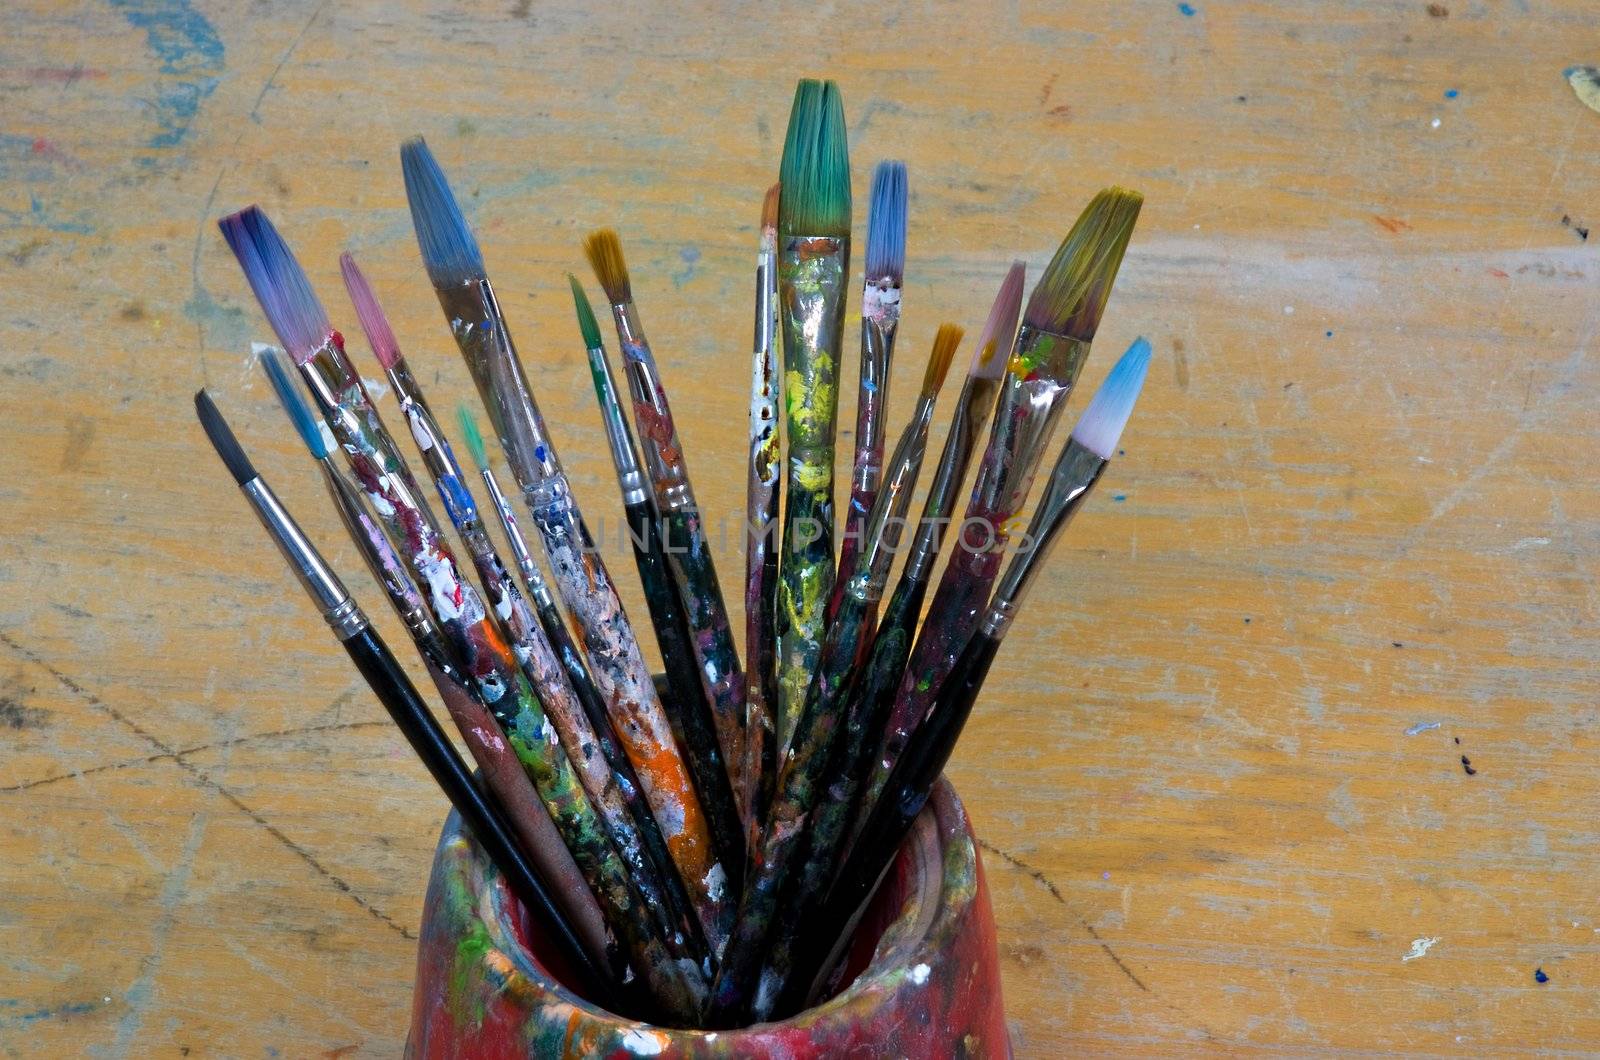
1044	368
766	325
619	435
1077	470
972	409
486	346
887	519
316	577
880	320
662	455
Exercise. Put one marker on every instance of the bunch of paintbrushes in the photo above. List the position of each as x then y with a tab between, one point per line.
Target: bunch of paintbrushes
697	850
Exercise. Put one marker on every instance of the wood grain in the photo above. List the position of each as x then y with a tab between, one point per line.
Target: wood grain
1359	495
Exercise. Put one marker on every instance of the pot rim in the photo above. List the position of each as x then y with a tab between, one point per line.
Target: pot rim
937	871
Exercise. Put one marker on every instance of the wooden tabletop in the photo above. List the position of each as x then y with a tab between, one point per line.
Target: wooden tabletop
1293	750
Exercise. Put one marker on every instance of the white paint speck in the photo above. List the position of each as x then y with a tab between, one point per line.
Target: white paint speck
1422	726
1529	542
1420	948
1288	310
643	1043
375	388
716	881
1434	123
919	974
1423	460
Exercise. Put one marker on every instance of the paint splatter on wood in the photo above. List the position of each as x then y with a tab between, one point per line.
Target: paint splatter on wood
1585	82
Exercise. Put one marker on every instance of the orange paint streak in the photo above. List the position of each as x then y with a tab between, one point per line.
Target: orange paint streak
1393	224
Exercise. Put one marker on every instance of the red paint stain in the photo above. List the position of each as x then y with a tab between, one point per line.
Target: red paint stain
1063	111
62	75
1392	224
1500	273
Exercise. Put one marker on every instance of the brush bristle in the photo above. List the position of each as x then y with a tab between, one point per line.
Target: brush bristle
886	223
379	335
1102	422
1072	293
222	439
944	350
449	249
994	341
769	208
815	172
604	251
307	424
474	437
586	321
280	285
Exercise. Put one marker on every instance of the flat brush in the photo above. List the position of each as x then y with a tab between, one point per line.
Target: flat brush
1076	472
1057	328
389	682
813	267
455	266
825	793
691	716
872	695
761	530
502	772
476	645
516	623
680	910
880	321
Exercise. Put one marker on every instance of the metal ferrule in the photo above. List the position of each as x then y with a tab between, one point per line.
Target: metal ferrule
619	435
1043	368
440	461
812	271
877	346
316	577
662	452
1075	474
966	424
491	358
538	589
375	550
766	327
887	519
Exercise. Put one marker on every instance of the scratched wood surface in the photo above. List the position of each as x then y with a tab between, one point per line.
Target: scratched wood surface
1292	752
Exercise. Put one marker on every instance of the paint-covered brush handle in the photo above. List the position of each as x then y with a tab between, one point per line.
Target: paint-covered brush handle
395	690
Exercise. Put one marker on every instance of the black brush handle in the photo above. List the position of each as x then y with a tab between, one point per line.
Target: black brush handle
910	783
688	712
410	712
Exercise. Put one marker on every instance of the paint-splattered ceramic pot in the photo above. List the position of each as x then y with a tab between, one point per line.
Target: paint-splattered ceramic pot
930	985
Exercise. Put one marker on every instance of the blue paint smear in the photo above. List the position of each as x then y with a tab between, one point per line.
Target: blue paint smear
190	52
1539	976
37	216
1422	726
1119	497
1451	93
1329	333
76	1009
1187	10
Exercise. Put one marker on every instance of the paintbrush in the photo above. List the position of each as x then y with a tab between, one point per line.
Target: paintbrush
880	320
1057	328
477	647
680	909
515	620
1077	470
813	267
872	695
455	266
749	978
389	682
502	773
694	575
761	528
692	716
819	801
